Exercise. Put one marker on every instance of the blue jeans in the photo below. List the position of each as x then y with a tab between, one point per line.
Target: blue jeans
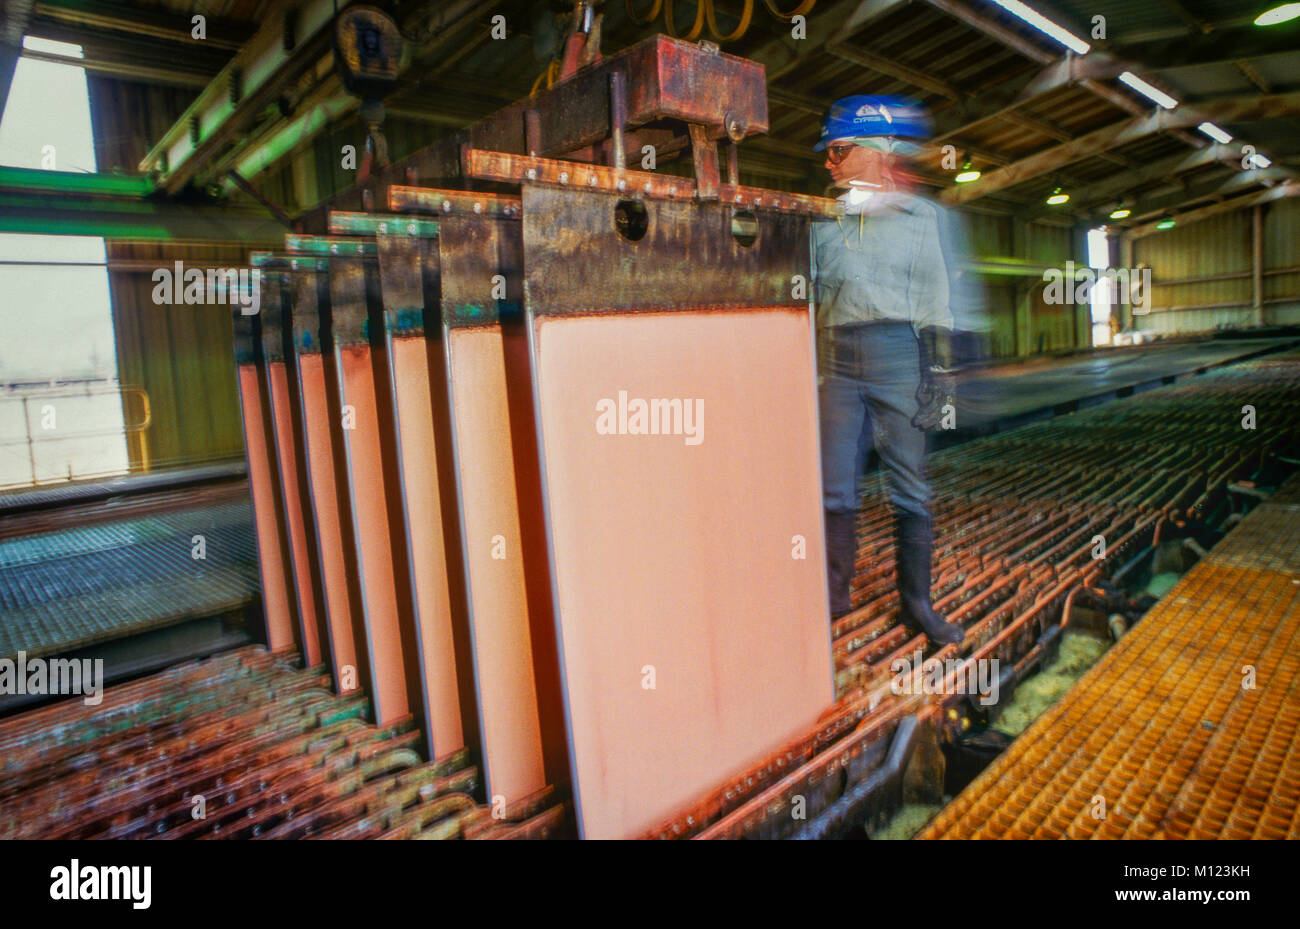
867	399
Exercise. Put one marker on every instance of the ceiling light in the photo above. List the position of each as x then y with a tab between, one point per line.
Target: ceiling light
1259	161
1045	25
967	174
1142	87
1166	223
1057	198
1215	133
1279	14
1120	212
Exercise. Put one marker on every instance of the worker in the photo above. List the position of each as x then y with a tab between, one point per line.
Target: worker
884	327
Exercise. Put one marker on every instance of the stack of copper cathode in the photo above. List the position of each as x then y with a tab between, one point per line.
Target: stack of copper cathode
534	600
491	613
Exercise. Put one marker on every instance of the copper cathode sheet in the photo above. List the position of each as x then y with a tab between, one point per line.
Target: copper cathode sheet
326	500
275	592
503	656
424	509
689	563
294	501
374	542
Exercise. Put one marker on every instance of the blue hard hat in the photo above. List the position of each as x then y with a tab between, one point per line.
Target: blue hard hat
866	116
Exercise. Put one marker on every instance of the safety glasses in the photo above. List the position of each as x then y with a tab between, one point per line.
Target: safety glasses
837	153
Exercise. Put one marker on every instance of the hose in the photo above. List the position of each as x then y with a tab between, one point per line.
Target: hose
746	15
803	9
548	76
696	28
636	17
706	12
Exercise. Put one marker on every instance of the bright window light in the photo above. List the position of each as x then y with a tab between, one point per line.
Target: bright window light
1100	296
1279	14
54	300
1215	133
50	47
1260	161
1045	25
1142	87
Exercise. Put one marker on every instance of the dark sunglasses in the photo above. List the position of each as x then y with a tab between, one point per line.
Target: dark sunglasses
837	153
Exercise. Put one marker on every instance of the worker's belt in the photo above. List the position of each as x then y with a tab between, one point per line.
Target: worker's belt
840	349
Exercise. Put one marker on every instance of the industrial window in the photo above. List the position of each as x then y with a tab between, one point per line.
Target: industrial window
61	412
1100	295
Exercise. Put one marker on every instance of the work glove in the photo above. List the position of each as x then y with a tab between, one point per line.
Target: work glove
938	386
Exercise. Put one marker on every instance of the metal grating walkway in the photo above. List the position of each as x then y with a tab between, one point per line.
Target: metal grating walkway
75	587
1164	738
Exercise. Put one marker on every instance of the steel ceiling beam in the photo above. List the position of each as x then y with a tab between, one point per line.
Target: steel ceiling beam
176	26
1106	191
1122	133
125	67
1281	191
234	98
1019	43
883	64
1158	203
1221	46
13	23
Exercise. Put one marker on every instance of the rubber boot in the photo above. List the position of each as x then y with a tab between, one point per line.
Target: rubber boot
914	544
841	553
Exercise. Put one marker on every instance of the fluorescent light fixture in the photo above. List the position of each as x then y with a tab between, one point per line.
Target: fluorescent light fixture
1279	14
1215	133
1057	198
1166	223
1142	87
967	174
1122	212
1260	161
50	47
1045	25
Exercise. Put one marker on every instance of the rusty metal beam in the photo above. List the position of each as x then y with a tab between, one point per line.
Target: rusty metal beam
522	169
663	81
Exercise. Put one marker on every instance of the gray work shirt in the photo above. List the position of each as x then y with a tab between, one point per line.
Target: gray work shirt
883	260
